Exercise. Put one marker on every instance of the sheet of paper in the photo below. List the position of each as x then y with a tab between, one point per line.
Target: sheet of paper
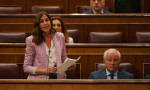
67	63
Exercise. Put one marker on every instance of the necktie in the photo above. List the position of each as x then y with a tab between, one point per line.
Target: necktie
112	76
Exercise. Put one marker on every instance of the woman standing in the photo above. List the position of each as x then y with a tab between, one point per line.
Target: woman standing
45	50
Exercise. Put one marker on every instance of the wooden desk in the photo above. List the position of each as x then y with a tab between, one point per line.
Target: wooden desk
128	24
75	84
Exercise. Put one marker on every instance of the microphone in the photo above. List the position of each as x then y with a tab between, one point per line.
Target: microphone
51	75
49	51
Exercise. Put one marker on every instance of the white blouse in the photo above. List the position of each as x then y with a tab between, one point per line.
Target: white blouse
70	40
51	54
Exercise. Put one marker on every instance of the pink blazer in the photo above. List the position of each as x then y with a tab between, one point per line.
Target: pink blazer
36	56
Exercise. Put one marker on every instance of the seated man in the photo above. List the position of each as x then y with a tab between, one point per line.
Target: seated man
112	58
97	7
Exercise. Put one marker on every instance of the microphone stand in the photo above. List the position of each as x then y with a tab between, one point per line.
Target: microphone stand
48	61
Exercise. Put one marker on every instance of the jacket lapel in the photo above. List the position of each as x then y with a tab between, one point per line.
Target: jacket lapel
102	74
42	52
57	49
120	74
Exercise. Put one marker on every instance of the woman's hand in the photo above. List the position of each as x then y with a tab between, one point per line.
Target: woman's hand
73	67
52	69
46	70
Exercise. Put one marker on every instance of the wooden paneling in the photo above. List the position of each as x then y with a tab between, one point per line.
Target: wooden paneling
12	58
145	8
20	3
127	24
110	4
146	69
128	31
92	61
12	2
73	4
82	19
91	54
74	74
83	65
68	6
137	28
140	66
17	27
75	84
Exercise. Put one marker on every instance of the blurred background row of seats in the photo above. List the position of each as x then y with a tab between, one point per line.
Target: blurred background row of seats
11	10
12	71
20	37
37	9
95	37
116	37
15	71
48	9
105	37
12	37
70	6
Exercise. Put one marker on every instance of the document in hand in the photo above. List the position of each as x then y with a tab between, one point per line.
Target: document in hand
67	63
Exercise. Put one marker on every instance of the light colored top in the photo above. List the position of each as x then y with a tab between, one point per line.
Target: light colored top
71	40
108	74
51	55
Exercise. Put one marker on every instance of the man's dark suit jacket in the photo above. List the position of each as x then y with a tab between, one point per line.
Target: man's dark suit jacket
91	12
101	74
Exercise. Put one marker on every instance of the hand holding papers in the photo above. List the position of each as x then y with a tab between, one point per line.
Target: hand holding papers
67	63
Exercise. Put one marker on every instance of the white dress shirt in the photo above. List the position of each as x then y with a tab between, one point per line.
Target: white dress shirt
51	55
108	74
70	40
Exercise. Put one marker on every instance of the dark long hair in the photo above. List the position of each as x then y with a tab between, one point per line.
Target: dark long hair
37	32
64	31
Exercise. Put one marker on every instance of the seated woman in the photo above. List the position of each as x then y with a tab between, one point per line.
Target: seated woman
59	26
